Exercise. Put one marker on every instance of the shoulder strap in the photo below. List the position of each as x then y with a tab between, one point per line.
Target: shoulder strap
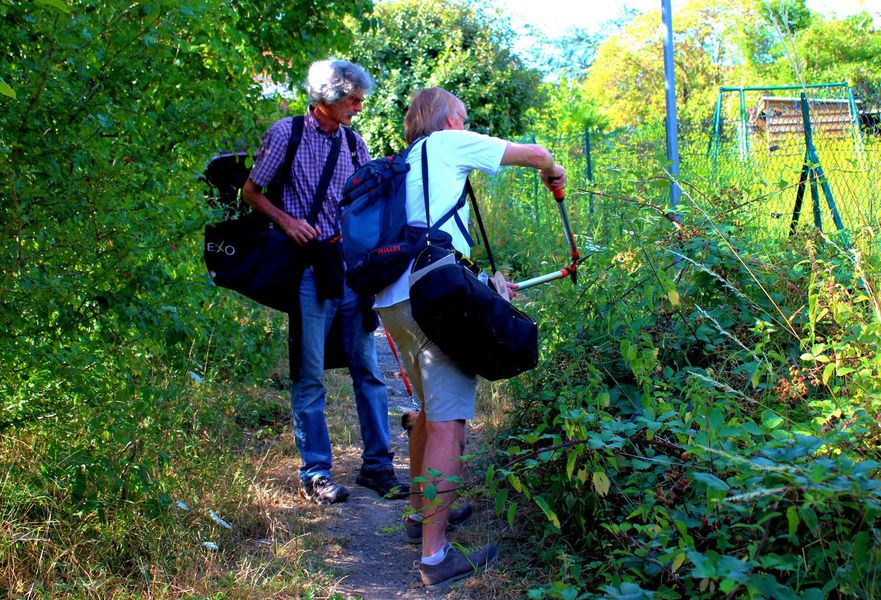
324	182
453	212
353	146
489	253
293	144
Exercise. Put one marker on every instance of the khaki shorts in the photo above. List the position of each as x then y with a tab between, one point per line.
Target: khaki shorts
448	392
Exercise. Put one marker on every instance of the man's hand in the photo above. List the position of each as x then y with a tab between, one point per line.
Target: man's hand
554	178
299	230
506	289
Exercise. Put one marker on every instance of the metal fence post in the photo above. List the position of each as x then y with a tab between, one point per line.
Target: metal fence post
535	192
670	88
589	166
813	158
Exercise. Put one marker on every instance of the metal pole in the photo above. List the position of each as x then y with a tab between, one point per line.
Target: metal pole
813	159
717	130
587	154
535	192
745	123
855	119
670	87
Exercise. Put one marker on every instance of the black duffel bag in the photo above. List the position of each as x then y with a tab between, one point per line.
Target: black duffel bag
468	320
261	263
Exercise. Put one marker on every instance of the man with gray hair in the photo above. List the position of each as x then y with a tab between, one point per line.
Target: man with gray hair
326	156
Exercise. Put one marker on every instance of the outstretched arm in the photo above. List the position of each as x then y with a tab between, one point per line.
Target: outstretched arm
536	157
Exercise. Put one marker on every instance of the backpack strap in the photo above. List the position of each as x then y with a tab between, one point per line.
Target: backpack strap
283	177
453	212
353	146
296	136
323	183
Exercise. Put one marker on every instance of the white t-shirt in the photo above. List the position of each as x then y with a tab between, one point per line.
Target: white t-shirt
452	154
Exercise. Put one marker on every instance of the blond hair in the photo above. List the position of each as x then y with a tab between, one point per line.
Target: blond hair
428	112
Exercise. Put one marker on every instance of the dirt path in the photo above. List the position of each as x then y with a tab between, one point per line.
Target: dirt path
373	555
361	542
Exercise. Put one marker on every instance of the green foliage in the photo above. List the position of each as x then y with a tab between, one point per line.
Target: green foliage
116	109
707	406
114	345
455	45
844	50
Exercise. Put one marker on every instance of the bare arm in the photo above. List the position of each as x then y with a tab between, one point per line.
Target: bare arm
297	229
536	157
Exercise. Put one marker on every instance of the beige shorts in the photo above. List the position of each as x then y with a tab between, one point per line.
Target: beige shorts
448	392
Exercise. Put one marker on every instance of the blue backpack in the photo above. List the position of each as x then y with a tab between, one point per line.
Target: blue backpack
378	244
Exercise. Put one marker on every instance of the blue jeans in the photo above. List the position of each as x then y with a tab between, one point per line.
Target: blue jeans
307	392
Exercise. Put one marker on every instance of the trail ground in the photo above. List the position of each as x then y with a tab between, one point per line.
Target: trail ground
358	546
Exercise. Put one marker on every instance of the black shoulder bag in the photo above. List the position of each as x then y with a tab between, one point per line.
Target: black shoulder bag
467	319
251	257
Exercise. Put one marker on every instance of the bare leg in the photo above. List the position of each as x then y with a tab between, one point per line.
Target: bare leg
417	454
443	450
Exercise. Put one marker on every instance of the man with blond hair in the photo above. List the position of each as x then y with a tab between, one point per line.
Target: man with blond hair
437	121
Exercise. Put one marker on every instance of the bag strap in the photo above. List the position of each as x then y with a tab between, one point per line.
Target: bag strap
353	146
489	253
453	212
284	175
321	192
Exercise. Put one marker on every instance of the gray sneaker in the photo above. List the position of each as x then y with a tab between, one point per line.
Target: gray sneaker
413	528
456	565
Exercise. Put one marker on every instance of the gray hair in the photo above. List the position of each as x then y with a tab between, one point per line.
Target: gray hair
330	81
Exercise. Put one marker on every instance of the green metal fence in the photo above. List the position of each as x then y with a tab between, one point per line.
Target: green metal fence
751	153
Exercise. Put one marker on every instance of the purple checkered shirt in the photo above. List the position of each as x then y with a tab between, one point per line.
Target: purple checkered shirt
306	169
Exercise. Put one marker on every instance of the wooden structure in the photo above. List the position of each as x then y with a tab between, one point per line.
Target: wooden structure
778	116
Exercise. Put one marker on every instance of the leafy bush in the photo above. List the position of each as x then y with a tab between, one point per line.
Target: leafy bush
704	423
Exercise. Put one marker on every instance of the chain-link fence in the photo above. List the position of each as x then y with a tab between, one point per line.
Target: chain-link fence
761	138
749	157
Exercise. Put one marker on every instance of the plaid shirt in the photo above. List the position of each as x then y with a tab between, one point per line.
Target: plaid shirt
306	168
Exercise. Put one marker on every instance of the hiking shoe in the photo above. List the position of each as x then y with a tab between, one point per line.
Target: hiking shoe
323	490
384	483
456	565
413	528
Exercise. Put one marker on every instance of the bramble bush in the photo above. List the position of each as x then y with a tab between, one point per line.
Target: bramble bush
704	421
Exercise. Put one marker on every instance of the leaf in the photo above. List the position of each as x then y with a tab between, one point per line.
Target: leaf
512	512
673	296
570	464
808	517
828	370
430	492
711	481
501	498
546	509
860	547
56	4
771	420
6	90
792	519
704	566
677	562
601	483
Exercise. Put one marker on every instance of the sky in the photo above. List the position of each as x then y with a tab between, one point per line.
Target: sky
554	17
